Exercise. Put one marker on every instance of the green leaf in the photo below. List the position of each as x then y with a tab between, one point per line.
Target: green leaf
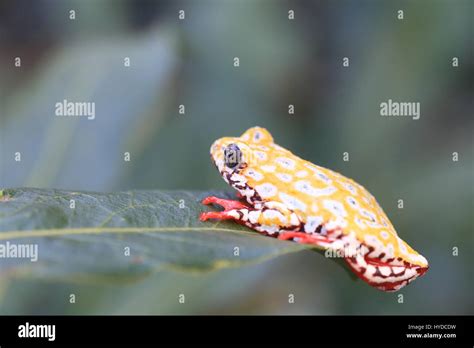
131	105
89	242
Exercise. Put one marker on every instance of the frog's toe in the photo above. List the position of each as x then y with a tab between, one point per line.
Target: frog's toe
208	200
218	215
227	204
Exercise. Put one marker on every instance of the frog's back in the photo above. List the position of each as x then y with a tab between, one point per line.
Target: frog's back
279	175
320	194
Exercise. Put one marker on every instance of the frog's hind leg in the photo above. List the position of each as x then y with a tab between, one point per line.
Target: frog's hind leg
227	204
268	218
305	238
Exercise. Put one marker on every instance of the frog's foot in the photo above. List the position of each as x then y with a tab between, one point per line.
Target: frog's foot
304	238
227	204
230	212
219	215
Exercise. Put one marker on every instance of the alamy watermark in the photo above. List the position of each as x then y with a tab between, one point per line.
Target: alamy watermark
28	330
393	108
349	251
68	108
19	251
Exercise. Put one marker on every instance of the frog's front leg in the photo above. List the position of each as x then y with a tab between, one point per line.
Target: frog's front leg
228	204
233	210
268	218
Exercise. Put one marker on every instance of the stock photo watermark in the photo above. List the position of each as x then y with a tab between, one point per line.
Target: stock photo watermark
19	251
343	253
78	109
400	109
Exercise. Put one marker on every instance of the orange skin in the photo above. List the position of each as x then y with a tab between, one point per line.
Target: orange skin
286	197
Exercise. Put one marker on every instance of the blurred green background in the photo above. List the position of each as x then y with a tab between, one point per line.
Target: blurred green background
282	62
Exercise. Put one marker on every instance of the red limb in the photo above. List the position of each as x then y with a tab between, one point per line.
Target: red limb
220	215
304	237
227	204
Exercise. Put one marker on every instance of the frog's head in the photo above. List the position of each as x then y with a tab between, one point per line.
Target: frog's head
232	155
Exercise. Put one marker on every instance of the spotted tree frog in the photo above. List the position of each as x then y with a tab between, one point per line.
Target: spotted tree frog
286	197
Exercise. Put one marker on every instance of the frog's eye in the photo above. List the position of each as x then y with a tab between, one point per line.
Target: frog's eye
232	155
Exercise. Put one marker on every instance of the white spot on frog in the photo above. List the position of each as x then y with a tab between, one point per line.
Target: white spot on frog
373	224
257	136
335	207
312	222
270	229
294	221
360	223
371	269
318	173
292	202
260	155
323	177
285	162
274	214
301	174
268	169
305	187
374	242
398	270
266	190
275	205
234	214
352	202
284	177
252	173
369	215
349	187
253	216
385	271
336	224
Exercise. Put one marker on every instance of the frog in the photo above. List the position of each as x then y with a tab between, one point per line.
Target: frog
283	196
